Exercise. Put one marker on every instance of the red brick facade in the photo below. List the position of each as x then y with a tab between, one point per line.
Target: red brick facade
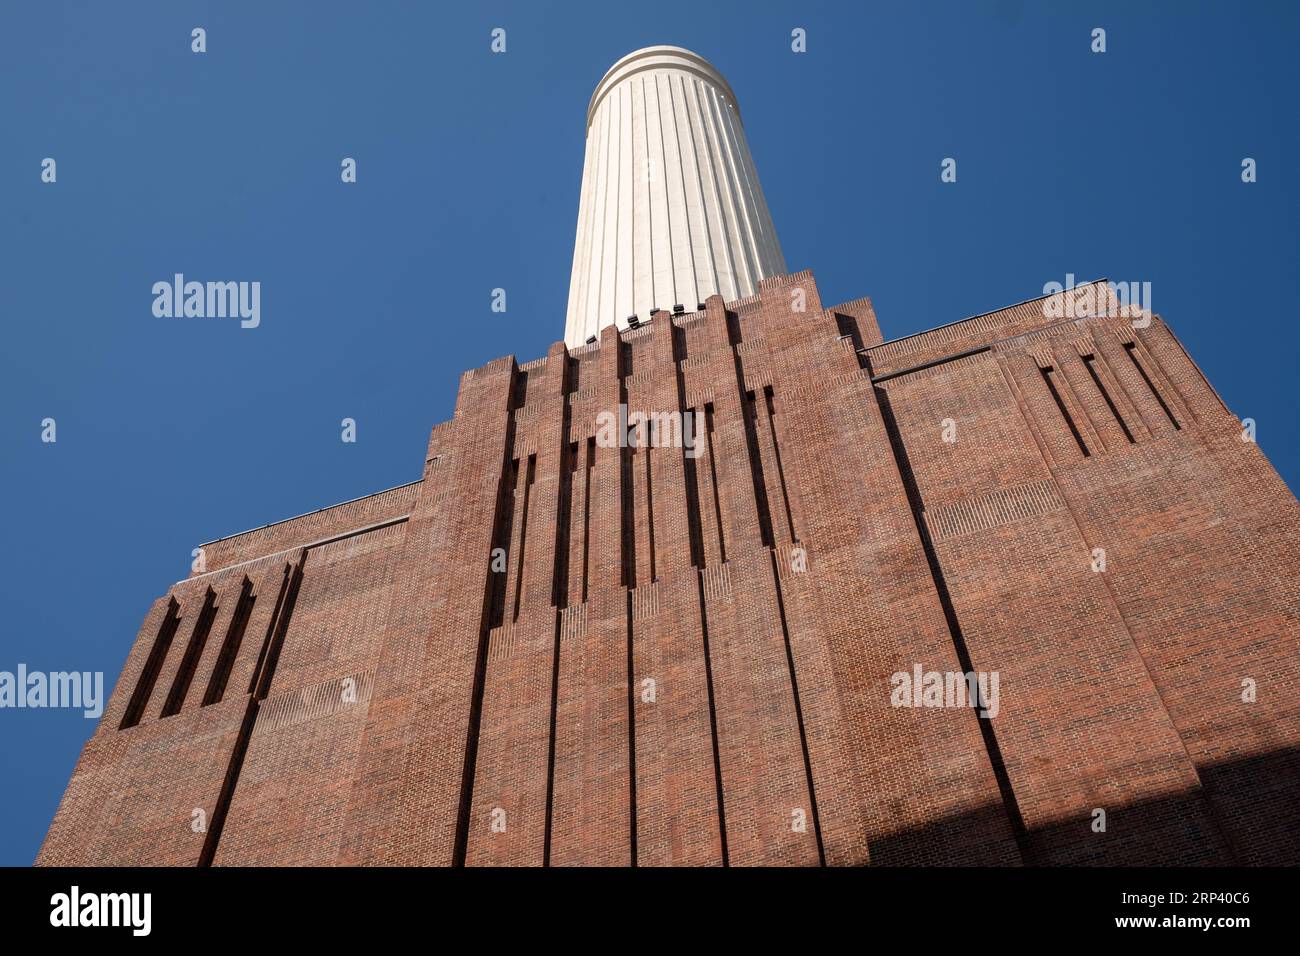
549	651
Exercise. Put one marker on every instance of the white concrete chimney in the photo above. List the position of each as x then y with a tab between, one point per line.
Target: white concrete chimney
671	209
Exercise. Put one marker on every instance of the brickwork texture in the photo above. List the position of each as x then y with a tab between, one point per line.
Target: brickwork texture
557	650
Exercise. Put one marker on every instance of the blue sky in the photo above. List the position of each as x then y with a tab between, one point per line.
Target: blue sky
375	296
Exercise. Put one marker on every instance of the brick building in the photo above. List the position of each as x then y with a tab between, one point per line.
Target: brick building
555	649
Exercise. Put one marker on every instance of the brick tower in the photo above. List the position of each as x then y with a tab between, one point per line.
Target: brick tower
558	649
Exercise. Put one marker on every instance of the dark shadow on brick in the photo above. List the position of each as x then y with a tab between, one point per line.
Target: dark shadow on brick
1246	812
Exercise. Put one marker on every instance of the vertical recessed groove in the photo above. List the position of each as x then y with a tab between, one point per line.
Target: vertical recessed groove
694	522
626	474
262	681
190	661
780	469
627	515
523	534
270	628
649	513
258	689
586	515
226	795
1090	361
713	719
1065	412
749	412
1131	348
713	475
631	732
798	709
230	646
563	532
564	526
550	751
503	530
153	664
917	506
504	503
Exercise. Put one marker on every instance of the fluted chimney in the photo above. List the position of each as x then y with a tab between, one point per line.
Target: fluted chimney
671	209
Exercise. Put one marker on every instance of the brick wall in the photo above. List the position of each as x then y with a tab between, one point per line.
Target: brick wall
551	651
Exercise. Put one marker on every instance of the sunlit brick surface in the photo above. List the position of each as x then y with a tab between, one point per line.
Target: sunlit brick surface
549	651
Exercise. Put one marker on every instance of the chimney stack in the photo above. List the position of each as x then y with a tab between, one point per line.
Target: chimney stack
671	209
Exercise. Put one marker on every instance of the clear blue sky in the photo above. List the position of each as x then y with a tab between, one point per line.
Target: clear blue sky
375	296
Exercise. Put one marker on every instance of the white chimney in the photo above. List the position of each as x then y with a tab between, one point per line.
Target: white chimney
671	209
